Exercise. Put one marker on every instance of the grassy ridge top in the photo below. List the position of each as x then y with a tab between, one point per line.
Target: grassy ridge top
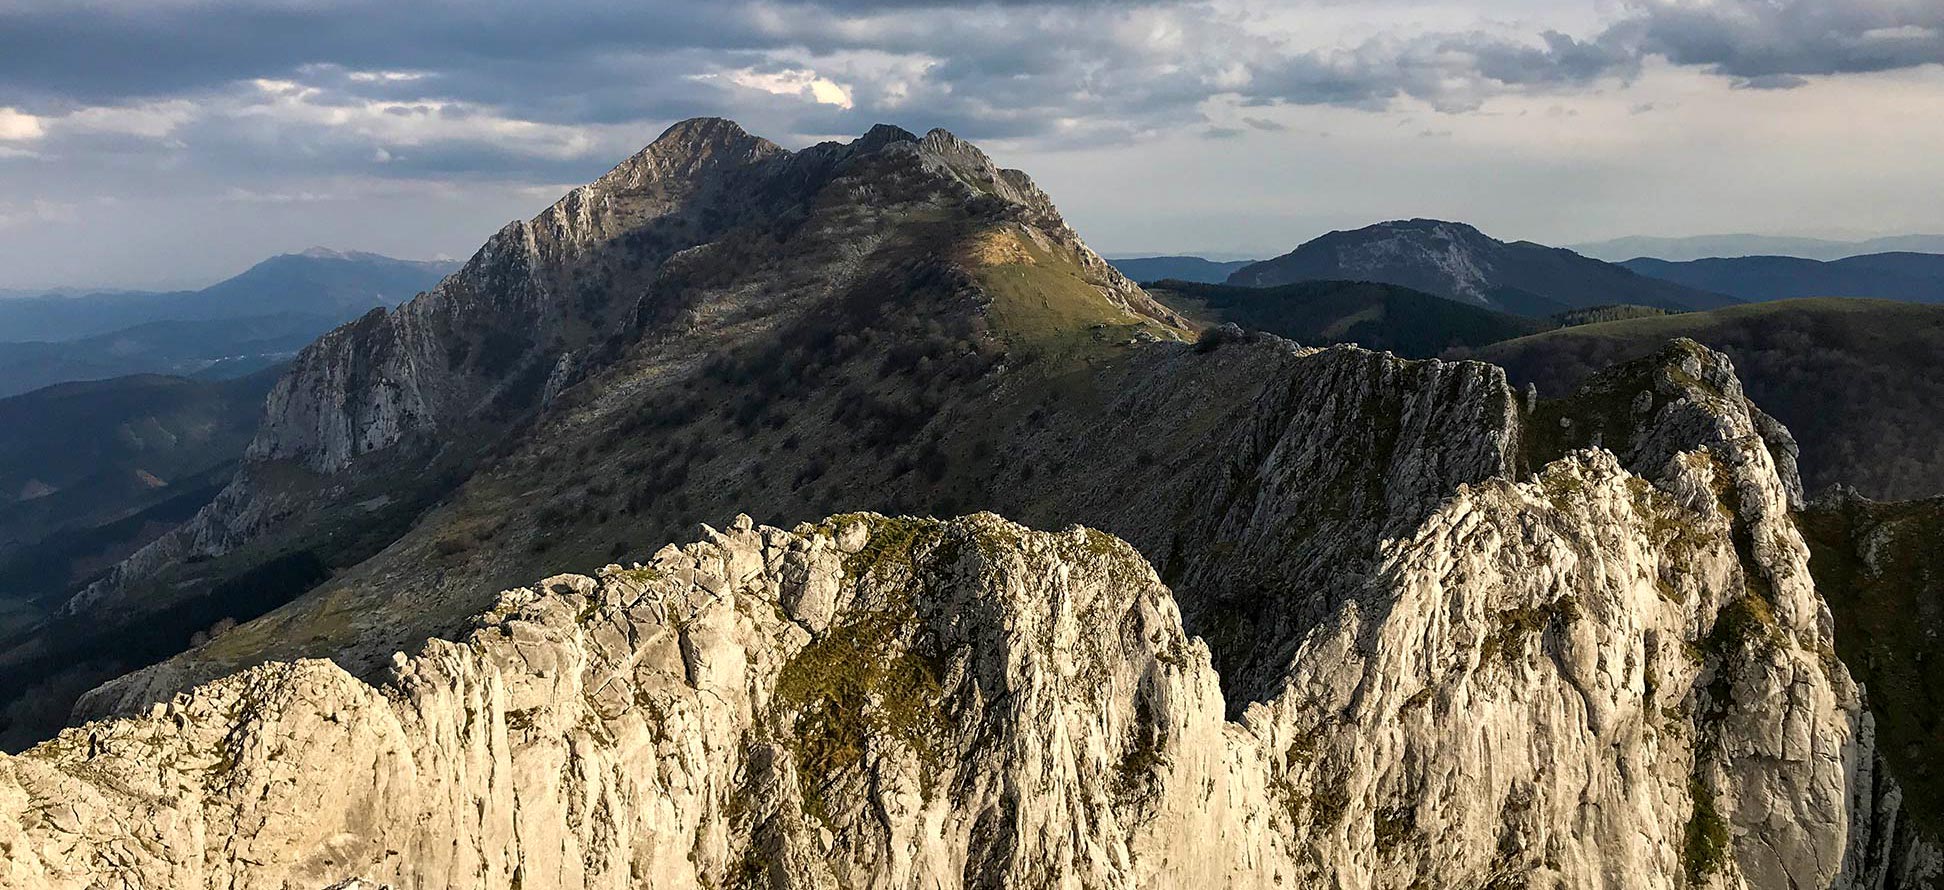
1043	298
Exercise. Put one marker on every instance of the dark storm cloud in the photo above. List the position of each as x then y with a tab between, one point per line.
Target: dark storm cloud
108	53
1779	42
54	52
991	68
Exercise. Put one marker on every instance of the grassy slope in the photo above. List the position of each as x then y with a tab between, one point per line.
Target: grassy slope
1855	380
1410	323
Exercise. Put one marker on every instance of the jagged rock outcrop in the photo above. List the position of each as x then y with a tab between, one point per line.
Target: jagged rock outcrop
1598	676
871	702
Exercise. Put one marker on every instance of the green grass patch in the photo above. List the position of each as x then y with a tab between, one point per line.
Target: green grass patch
859	681
1705	848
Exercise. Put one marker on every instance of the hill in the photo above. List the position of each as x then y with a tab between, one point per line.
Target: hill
1854	380
63	438
1918	277
1456	261
1409	323
1179	268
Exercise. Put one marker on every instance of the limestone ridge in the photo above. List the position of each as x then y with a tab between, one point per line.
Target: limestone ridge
870	701
1613	673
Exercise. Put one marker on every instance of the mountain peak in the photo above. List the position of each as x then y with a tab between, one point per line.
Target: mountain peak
1457	261
702	131
882	135
685	152
700	139
1427	223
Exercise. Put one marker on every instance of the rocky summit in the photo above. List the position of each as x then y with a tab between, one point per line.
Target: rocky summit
1317	617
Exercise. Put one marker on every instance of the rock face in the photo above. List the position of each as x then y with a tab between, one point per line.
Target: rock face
1598	677
873	702
1456	261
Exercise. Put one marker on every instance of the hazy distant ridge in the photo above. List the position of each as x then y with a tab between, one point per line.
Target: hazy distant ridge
1698	247
1916	277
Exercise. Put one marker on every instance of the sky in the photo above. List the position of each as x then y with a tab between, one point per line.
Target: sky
167	143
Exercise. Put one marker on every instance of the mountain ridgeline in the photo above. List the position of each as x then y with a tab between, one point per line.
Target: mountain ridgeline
1315	615
1458	262
230	329
317	282
1918	277
1701	247
1177	268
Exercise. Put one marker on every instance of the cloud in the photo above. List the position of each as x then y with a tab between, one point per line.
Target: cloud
175	98
801	82
17	127
1076	71
1765	43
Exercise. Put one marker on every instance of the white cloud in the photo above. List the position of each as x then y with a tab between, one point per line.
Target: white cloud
152	120
385	76
801	82
16	126
283	107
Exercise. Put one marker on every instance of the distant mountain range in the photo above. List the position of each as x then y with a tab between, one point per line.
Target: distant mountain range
319	281
1705	246
230	328
1178	268
1917	277
1456	261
